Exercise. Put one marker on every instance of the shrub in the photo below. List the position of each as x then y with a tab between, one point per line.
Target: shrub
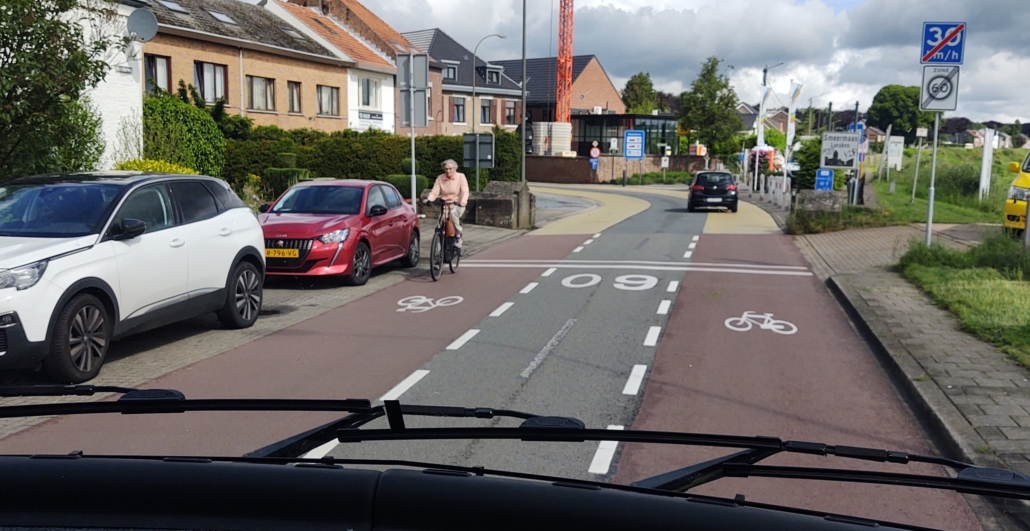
178	132
278	180
403	184
406	166
243	157
154	166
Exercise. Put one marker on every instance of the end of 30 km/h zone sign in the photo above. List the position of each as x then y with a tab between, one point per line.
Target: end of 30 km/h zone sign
943	43
939	91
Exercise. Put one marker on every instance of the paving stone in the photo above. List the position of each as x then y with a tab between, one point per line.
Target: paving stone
1016	433
991	420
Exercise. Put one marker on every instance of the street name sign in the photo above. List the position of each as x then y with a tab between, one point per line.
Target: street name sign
840	150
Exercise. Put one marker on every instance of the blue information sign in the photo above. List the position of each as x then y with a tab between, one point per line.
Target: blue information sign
944	43
593	164
824	179
633	144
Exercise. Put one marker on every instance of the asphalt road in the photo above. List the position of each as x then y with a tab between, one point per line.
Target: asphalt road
617	317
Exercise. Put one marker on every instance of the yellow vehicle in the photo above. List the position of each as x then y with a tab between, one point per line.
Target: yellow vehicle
1015	205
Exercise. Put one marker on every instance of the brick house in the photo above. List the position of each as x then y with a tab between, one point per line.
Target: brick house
258	63
592	90
497	96
377	34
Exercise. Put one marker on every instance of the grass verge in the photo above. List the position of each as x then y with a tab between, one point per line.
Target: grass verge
985	287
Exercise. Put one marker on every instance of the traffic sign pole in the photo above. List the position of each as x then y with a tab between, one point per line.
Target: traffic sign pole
933	176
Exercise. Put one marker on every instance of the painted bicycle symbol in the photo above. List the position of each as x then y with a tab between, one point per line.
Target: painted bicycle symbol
419	303
764	321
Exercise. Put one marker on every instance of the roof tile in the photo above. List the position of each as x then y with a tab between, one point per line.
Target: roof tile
332	32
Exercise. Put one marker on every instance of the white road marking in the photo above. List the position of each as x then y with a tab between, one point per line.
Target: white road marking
635	282
672	286
663	308
392	394
588	242
549	272
684	267
578	249
463	339
547	348
652	336
604	455
636	377
688	254
570	282
546	263
696	238
529	287
598	235
501	309
420	303
692	245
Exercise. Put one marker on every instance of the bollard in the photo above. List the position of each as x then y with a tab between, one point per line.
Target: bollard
624	178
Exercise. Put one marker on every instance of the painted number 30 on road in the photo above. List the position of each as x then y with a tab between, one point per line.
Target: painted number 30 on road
625	282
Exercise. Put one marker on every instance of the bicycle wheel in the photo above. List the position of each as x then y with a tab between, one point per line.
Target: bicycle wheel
455	258
738	324
436	256
783	327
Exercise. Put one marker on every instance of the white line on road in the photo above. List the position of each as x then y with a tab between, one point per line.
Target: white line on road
663	308
636	377
688	254
604	455
652	336
463	339
578	249
588	242
598	235
529	287
696	238
672	286
392	394
548	348
684	267
501	309
548	263
549	272
692	245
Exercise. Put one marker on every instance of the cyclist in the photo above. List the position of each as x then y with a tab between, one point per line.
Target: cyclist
453	187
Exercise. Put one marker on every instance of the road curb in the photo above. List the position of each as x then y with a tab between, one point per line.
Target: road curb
778	215
941	418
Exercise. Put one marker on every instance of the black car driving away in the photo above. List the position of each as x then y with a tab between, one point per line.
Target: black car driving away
713	189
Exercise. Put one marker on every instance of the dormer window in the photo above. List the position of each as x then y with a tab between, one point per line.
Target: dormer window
493	76
451	72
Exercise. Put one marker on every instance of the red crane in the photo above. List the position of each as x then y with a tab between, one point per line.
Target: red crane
563	90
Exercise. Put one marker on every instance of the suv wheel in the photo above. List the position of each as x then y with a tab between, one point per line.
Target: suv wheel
243	297
79	344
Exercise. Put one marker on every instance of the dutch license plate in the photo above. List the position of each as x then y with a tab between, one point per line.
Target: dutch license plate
282	253
714	199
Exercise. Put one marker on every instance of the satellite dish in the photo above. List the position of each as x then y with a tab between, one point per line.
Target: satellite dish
142	25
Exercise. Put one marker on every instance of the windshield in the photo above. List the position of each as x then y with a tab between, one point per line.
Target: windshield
62	210
714	178
320	200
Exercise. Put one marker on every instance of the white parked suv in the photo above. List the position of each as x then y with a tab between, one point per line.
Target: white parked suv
88	258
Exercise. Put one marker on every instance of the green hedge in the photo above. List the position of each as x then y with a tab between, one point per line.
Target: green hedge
177	132
403	184
278	180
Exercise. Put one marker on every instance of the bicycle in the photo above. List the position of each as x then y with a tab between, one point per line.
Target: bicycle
442	248
764	321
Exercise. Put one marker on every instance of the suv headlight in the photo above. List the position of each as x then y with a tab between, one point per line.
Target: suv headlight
335	236
23	277
1018	193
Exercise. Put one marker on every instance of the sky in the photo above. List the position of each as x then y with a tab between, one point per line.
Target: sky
841	51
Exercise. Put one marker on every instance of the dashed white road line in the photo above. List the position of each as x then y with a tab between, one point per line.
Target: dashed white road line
663	308
463	339
636	377
672	286
696	238
529	287
549	272
598	235
578	249
692	245
688	254
604	455
652	336
501	309
588	242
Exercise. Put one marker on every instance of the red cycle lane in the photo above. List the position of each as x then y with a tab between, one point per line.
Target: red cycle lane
820	383
359	350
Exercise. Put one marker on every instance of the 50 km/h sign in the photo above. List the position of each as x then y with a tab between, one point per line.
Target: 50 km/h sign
940	88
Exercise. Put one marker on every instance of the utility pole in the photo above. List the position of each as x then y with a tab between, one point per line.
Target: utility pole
478	111
523	118
855	121
829	119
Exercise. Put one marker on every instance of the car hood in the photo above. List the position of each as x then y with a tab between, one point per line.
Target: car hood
303	226
16	252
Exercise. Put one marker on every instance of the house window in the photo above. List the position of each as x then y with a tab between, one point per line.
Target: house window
493	76
486	115
159	72
459	111
210	80
294	90
260	93
510	113
222	17
368	91
451	72
328	101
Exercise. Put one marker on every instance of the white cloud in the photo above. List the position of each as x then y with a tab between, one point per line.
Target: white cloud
840	50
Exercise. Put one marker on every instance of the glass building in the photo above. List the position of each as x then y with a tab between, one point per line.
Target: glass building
658	129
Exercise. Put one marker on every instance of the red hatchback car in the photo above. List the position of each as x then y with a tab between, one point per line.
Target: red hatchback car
338	227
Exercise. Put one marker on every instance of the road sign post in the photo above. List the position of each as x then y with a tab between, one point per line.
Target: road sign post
633	149
413	82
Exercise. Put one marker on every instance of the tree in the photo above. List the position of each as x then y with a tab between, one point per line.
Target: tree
898	106
669	103
1018	141
52	52
710	108
954	126
639	94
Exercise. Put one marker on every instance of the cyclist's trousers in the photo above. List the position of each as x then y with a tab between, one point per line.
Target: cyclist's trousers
456	213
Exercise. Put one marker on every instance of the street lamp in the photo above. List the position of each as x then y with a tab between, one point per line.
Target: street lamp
765	72
478	110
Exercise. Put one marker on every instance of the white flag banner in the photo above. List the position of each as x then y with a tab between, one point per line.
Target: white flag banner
986	163
795	91
761	117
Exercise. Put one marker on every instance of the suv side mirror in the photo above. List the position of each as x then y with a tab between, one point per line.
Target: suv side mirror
131	228
1014	167
377	210
264	208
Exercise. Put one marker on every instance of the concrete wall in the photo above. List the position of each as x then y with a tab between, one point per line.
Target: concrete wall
558	170
652	163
